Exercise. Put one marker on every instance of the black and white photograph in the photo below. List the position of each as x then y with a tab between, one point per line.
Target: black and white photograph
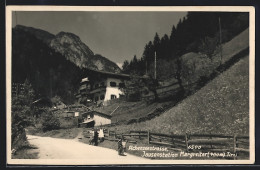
130	85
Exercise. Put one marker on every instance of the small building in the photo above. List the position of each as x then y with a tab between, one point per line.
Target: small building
94	118
17	88
68	114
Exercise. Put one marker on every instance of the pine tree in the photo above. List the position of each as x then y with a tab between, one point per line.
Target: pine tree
125	66
156	42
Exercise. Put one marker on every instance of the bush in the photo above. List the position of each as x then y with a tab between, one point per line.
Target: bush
50	122
132	121
18	132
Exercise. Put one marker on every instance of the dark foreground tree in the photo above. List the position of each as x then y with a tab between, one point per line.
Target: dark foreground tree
21	115
151	84
133	88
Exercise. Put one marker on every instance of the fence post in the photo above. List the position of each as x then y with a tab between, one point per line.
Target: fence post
186	142
115	134
173	140
148	137
234	144
210	141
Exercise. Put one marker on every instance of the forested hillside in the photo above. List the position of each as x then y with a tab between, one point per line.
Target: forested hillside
48	71
198	32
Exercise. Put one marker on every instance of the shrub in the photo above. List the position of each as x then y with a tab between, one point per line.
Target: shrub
132	121
50	122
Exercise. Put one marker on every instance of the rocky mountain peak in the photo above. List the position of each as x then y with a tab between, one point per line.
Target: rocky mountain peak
73	49
45	36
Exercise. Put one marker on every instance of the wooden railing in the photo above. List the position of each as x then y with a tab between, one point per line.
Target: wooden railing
187	142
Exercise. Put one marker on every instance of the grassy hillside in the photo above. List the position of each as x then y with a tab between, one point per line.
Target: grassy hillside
201	66
124	111
222	106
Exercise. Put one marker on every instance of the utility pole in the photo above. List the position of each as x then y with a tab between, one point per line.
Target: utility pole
50	83
155	65
146	67
15	17
220	39
145	58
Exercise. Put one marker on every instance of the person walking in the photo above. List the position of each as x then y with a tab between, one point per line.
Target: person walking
120	147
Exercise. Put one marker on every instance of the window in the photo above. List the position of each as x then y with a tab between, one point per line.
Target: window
102	97
146	92
121	85
113	84
113	96
121	95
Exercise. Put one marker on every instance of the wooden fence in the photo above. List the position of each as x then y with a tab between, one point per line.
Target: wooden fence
187	142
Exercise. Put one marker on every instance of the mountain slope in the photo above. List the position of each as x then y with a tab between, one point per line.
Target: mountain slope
45	36
48	71
73	49
222	106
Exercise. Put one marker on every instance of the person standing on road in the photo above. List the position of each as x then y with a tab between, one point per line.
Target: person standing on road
96	137
91	139
124	145
101	135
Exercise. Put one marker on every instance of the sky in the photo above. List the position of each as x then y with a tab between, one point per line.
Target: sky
117	36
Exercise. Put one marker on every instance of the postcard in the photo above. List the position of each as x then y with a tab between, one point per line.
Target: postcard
130	85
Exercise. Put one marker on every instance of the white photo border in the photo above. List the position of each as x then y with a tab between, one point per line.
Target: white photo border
249	9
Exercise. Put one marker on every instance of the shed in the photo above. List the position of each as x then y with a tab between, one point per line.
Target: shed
94	118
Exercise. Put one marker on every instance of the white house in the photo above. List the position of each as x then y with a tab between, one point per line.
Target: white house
101	86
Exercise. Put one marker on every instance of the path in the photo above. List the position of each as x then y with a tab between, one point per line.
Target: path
55	148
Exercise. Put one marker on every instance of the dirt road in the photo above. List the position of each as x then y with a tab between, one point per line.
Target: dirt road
55	148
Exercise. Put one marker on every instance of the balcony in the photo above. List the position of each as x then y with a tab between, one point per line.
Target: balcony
98	89
83	87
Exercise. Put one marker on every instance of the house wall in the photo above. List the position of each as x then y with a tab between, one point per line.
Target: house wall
68	114
112	90
100	93
100	120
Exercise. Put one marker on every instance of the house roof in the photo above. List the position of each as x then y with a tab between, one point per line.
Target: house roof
44	101
97	113
84	80
119	75
87	121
